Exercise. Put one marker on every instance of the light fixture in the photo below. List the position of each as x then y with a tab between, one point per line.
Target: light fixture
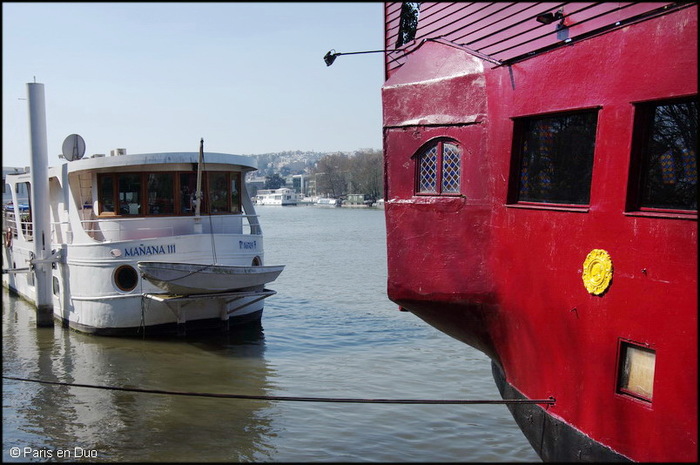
330	57
549	18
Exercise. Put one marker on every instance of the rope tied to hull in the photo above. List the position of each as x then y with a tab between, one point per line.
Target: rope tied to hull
549	401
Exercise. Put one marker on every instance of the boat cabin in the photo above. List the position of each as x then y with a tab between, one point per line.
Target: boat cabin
151	191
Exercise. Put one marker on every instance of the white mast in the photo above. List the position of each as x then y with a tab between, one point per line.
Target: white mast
41	220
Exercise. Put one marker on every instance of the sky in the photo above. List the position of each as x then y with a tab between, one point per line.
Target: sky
249	78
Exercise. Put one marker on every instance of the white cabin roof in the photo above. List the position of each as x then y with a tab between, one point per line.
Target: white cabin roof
245	163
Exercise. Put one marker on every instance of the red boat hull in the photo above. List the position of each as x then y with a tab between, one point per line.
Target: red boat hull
506	277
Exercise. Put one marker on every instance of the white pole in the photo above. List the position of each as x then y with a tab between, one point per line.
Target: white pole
40	204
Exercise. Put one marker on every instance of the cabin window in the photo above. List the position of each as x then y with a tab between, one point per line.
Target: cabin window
218	191
106	193
188	191
161	200
235	192
665	151
438	168
555	158
129	194
154	194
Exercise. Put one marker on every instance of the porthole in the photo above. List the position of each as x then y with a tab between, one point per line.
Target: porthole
126	278
257	261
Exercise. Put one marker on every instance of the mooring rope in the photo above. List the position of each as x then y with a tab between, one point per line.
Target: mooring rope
549	401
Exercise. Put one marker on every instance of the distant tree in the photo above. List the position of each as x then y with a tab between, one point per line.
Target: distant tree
332	175
367	173
274	182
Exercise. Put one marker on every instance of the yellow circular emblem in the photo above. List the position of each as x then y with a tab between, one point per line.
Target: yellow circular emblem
597	271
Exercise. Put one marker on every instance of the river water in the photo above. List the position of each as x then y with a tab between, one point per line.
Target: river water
329	332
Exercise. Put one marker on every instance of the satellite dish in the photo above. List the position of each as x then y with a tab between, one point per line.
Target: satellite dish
73	147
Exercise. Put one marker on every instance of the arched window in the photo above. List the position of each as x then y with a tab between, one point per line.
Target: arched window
439	168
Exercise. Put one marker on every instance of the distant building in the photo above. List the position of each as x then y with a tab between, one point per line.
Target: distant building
254	183
299	183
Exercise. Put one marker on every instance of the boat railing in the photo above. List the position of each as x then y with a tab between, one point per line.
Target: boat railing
117	229
60	232
25	223
135	228
8	221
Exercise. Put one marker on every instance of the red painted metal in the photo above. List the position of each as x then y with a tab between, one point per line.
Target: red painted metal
506	277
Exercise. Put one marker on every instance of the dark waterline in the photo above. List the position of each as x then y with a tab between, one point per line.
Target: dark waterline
329	332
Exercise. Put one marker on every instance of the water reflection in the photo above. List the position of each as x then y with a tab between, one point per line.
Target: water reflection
127	426
330	331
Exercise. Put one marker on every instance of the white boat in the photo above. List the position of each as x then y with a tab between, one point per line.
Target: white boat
190	278
358	201
81	251
282	196
327	202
